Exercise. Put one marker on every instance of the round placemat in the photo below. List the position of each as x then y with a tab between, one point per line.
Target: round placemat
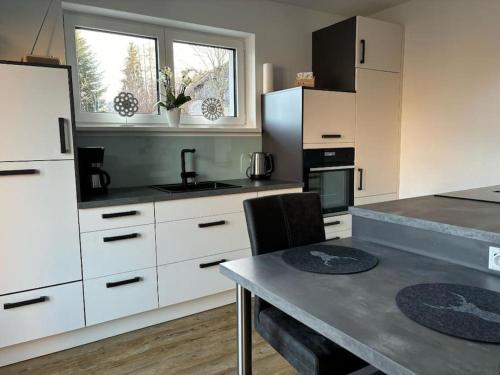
329	259
458	310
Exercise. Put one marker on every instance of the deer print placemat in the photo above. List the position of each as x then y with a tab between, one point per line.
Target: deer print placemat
329	259
458	310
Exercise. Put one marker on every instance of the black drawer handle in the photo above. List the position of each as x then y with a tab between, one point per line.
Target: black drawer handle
325	136
212	224
8	306
119	214
360	185
332	223
212	264
62	135
122	237
335	238
19	172
123	282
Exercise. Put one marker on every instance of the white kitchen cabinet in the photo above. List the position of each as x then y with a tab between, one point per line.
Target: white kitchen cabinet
377	133
117	296
199	207
379	45
36	113
192	279
338	226
194	238
39	238
39	313
102	218
329	118
113	251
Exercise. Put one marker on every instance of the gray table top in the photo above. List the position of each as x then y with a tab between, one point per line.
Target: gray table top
458	217
359	311
145	194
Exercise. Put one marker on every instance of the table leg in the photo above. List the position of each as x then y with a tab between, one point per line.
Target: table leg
243	305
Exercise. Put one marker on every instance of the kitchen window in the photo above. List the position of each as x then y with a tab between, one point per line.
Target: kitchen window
110	56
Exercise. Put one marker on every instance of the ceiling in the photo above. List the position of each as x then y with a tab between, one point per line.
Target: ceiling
345	7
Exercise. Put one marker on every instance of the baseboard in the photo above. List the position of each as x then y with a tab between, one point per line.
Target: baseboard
67	340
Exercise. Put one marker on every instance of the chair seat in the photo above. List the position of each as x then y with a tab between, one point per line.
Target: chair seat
306	350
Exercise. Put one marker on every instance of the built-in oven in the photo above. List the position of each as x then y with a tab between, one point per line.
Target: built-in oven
330	173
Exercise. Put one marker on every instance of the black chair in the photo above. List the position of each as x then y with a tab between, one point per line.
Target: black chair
276	223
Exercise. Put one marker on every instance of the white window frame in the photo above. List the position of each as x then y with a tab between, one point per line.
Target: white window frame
73	21
173	35
165	37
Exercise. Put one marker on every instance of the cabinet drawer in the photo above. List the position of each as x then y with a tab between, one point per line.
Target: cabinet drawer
277	192
338	235
329	117
199	207
193	279
338	223
116	296
118	250
39	313
195	238
93	219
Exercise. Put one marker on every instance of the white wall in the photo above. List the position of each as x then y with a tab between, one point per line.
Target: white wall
451	94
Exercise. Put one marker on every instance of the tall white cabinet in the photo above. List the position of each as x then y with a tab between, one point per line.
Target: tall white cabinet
364	55
40	266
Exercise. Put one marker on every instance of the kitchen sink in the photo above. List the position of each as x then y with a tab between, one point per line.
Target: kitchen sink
200	186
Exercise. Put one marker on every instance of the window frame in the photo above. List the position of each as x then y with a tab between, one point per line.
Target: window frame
212	40
165	37
72	21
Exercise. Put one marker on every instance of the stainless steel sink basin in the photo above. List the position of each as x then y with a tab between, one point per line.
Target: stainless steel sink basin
200	186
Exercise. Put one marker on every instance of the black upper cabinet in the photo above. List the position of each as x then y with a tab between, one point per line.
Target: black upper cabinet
358	42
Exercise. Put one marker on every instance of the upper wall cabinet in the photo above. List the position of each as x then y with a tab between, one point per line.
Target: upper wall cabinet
36	113
357	42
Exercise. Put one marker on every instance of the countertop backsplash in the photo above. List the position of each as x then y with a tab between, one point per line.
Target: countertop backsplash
148	160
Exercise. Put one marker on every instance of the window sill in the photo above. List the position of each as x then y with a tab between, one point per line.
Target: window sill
180	130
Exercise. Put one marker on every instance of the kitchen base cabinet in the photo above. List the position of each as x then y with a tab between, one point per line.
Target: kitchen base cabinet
338	226
39	313
113	297
183	281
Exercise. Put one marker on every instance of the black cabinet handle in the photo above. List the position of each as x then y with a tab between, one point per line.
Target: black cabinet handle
212	224
122	237
332	223
123	282
212	264
363	51
326	136
19	172
119	214
360	185
334	238
62	135
7	306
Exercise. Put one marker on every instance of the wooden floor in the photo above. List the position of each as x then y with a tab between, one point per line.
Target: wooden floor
201	344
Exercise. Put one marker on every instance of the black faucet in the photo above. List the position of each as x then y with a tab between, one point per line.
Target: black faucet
185	175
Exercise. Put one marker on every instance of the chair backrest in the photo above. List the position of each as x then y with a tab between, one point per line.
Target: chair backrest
280	222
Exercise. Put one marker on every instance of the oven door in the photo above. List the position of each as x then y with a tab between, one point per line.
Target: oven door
335	186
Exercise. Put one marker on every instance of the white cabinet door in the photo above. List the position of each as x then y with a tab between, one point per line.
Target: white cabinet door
40	313
329	118
379	45
32	100
377	133
39	237
267	193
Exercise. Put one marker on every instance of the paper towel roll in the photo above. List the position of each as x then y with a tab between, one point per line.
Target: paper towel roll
268	78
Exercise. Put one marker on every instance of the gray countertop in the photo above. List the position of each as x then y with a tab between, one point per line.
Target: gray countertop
465	218
359	311
145	194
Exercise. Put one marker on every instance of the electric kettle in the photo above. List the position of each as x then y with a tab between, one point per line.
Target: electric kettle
261	166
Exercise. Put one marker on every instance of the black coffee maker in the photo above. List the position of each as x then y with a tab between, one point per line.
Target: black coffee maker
93	180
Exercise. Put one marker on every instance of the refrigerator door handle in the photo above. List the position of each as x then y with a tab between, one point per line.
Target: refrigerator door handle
62	136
